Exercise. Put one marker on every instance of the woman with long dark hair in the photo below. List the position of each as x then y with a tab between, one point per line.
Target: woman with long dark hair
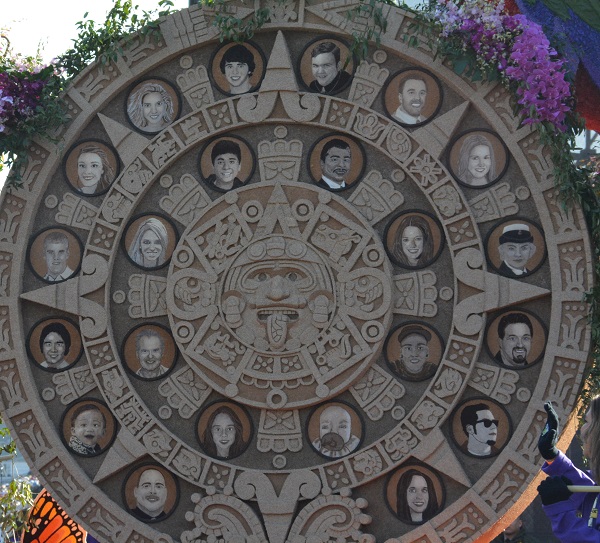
416	501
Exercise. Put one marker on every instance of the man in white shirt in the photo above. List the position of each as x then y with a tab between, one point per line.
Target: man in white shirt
412	94
56	254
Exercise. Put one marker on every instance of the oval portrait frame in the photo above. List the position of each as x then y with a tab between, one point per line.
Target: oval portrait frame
538	349
168	87
436	348
503	431
312	427
171	483
435	227
70	163
355	174
474	137
128	350
243	416
393	479
35	353
493	238
218	78
348	62
73	261
128	237
110	432
391	91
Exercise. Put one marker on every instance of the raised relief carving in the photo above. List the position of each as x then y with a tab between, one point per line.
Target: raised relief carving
502	490
499	383
279	160
75	211
376	197
146	296
195	84
304	309
367	82
462	525
186	200
279	431
416	294
563	217
73	384
496	202
377	392
184	391
573	269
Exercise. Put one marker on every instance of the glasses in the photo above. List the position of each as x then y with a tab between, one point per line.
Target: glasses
488	422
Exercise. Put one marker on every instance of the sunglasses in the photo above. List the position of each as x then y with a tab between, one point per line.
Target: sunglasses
488	422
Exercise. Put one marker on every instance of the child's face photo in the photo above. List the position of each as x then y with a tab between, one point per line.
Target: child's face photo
226	167
89	427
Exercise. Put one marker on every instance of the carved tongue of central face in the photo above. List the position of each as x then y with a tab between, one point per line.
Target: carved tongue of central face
277	327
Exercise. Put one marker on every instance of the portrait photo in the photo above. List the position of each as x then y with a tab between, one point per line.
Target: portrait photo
149	351
150	240
88	427
516	338
326	65
150	492
224	430
227	163
415	493
412	97
54	254
336	162
152	104
414	239
91	166
54	344
478	158
335	429
413	351
515	248
238	68
480	427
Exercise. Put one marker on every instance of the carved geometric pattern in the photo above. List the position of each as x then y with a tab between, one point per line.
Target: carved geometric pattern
280	296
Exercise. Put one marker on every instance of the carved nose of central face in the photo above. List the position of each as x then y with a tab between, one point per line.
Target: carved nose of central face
278	289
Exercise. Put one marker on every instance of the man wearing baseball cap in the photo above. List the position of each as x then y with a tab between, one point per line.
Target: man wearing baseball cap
414	352
515	248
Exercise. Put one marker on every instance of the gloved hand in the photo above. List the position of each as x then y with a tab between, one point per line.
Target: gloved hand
554	489
549	435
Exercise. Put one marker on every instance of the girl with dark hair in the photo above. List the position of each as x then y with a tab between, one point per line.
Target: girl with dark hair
55	344
416	501
413	244
223	436
574	516
94	172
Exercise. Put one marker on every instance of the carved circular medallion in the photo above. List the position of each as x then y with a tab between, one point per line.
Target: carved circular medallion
279	298
289	297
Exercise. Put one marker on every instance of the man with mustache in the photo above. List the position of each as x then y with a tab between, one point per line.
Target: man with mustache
481	429
412	94
149	348
150	495
336	161
514	338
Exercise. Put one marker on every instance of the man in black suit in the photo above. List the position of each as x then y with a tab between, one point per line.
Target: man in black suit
327	69
336	160
515	333
515	248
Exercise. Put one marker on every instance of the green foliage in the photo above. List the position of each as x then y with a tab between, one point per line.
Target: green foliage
375	25
106	42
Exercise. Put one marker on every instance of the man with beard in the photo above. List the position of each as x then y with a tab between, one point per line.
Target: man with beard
514	338
481	429
149	348
150	495
336	160
412	94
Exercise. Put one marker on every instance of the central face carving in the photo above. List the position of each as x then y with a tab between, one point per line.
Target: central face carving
277	295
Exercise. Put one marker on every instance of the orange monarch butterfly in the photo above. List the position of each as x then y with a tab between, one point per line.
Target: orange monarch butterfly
48	523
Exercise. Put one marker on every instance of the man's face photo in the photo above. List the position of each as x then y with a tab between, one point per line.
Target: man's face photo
516	344
56	255
226	168
150	352
151	492
335	420
516	255
412	97
483	434
414	351
336	164
324	68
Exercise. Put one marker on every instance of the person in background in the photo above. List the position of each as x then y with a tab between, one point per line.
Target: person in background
515	532
574	516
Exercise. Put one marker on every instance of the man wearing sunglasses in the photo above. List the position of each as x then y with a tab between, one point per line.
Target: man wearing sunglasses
481	428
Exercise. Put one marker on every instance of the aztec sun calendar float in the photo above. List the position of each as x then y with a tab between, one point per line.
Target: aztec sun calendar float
264	292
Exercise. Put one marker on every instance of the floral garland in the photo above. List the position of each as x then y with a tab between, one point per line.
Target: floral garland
479	37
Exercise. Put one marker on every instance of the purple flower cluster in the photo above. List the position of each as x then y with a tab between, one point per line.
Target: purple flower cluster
515	47
20	94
